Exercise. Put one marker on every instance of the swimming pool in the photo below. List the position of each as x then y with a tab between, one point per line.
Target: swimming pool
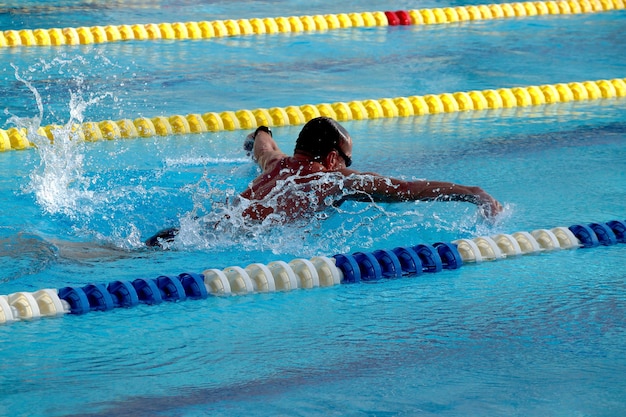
534	335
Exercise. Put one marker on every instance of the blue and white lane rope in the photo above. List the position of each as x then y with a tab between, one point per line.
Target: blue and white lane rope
305	273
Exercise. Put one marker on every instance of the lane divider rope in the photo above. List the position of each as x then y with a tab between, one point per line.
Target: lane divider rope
257	26
17	138
321	271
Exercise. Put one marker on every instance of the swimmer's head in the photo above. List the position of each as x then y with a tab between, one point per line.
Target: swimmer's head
322	135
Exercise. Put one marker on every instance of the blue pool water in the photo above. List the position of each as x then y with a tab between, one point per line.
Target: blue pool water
535	335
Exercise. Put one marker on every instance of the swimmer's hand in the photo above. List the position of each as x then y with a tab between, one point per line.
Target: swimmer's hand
488	206
248	143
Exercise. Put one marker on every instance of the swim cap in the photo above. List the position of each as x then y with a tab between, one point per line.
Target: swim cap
320	136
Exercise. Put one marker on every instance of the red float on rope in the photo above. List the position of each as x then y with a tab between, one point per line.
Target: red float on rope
404	17
392	18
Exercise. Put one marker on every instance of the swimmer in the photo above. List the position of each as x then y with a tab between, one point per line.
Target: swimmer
293	187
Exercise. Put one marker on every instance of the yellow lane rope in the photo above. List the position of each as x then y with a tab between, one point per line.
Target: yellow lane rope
16	138
257	26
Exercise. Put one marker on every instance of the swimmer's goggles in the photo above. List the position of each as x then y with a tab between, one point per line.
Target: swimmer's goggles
345	157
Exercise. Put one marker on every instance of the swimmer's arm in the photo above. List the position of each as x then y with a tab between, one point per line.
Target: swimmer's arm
389	190
266	152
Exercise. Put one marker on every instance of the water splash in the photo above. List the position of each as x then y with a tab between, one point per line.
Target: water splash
59	183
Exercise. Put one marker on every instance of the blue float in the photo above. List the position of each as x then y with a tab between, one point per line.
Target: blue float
76	298
585	235
605	235
171	288
99	298
147	291
431	261
349	267
369	266
123	293
389	263
449	254
193	285
619	228
411	263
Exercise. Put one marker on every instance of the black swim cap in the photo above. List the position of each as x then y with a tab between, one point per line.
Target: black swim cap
320	136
